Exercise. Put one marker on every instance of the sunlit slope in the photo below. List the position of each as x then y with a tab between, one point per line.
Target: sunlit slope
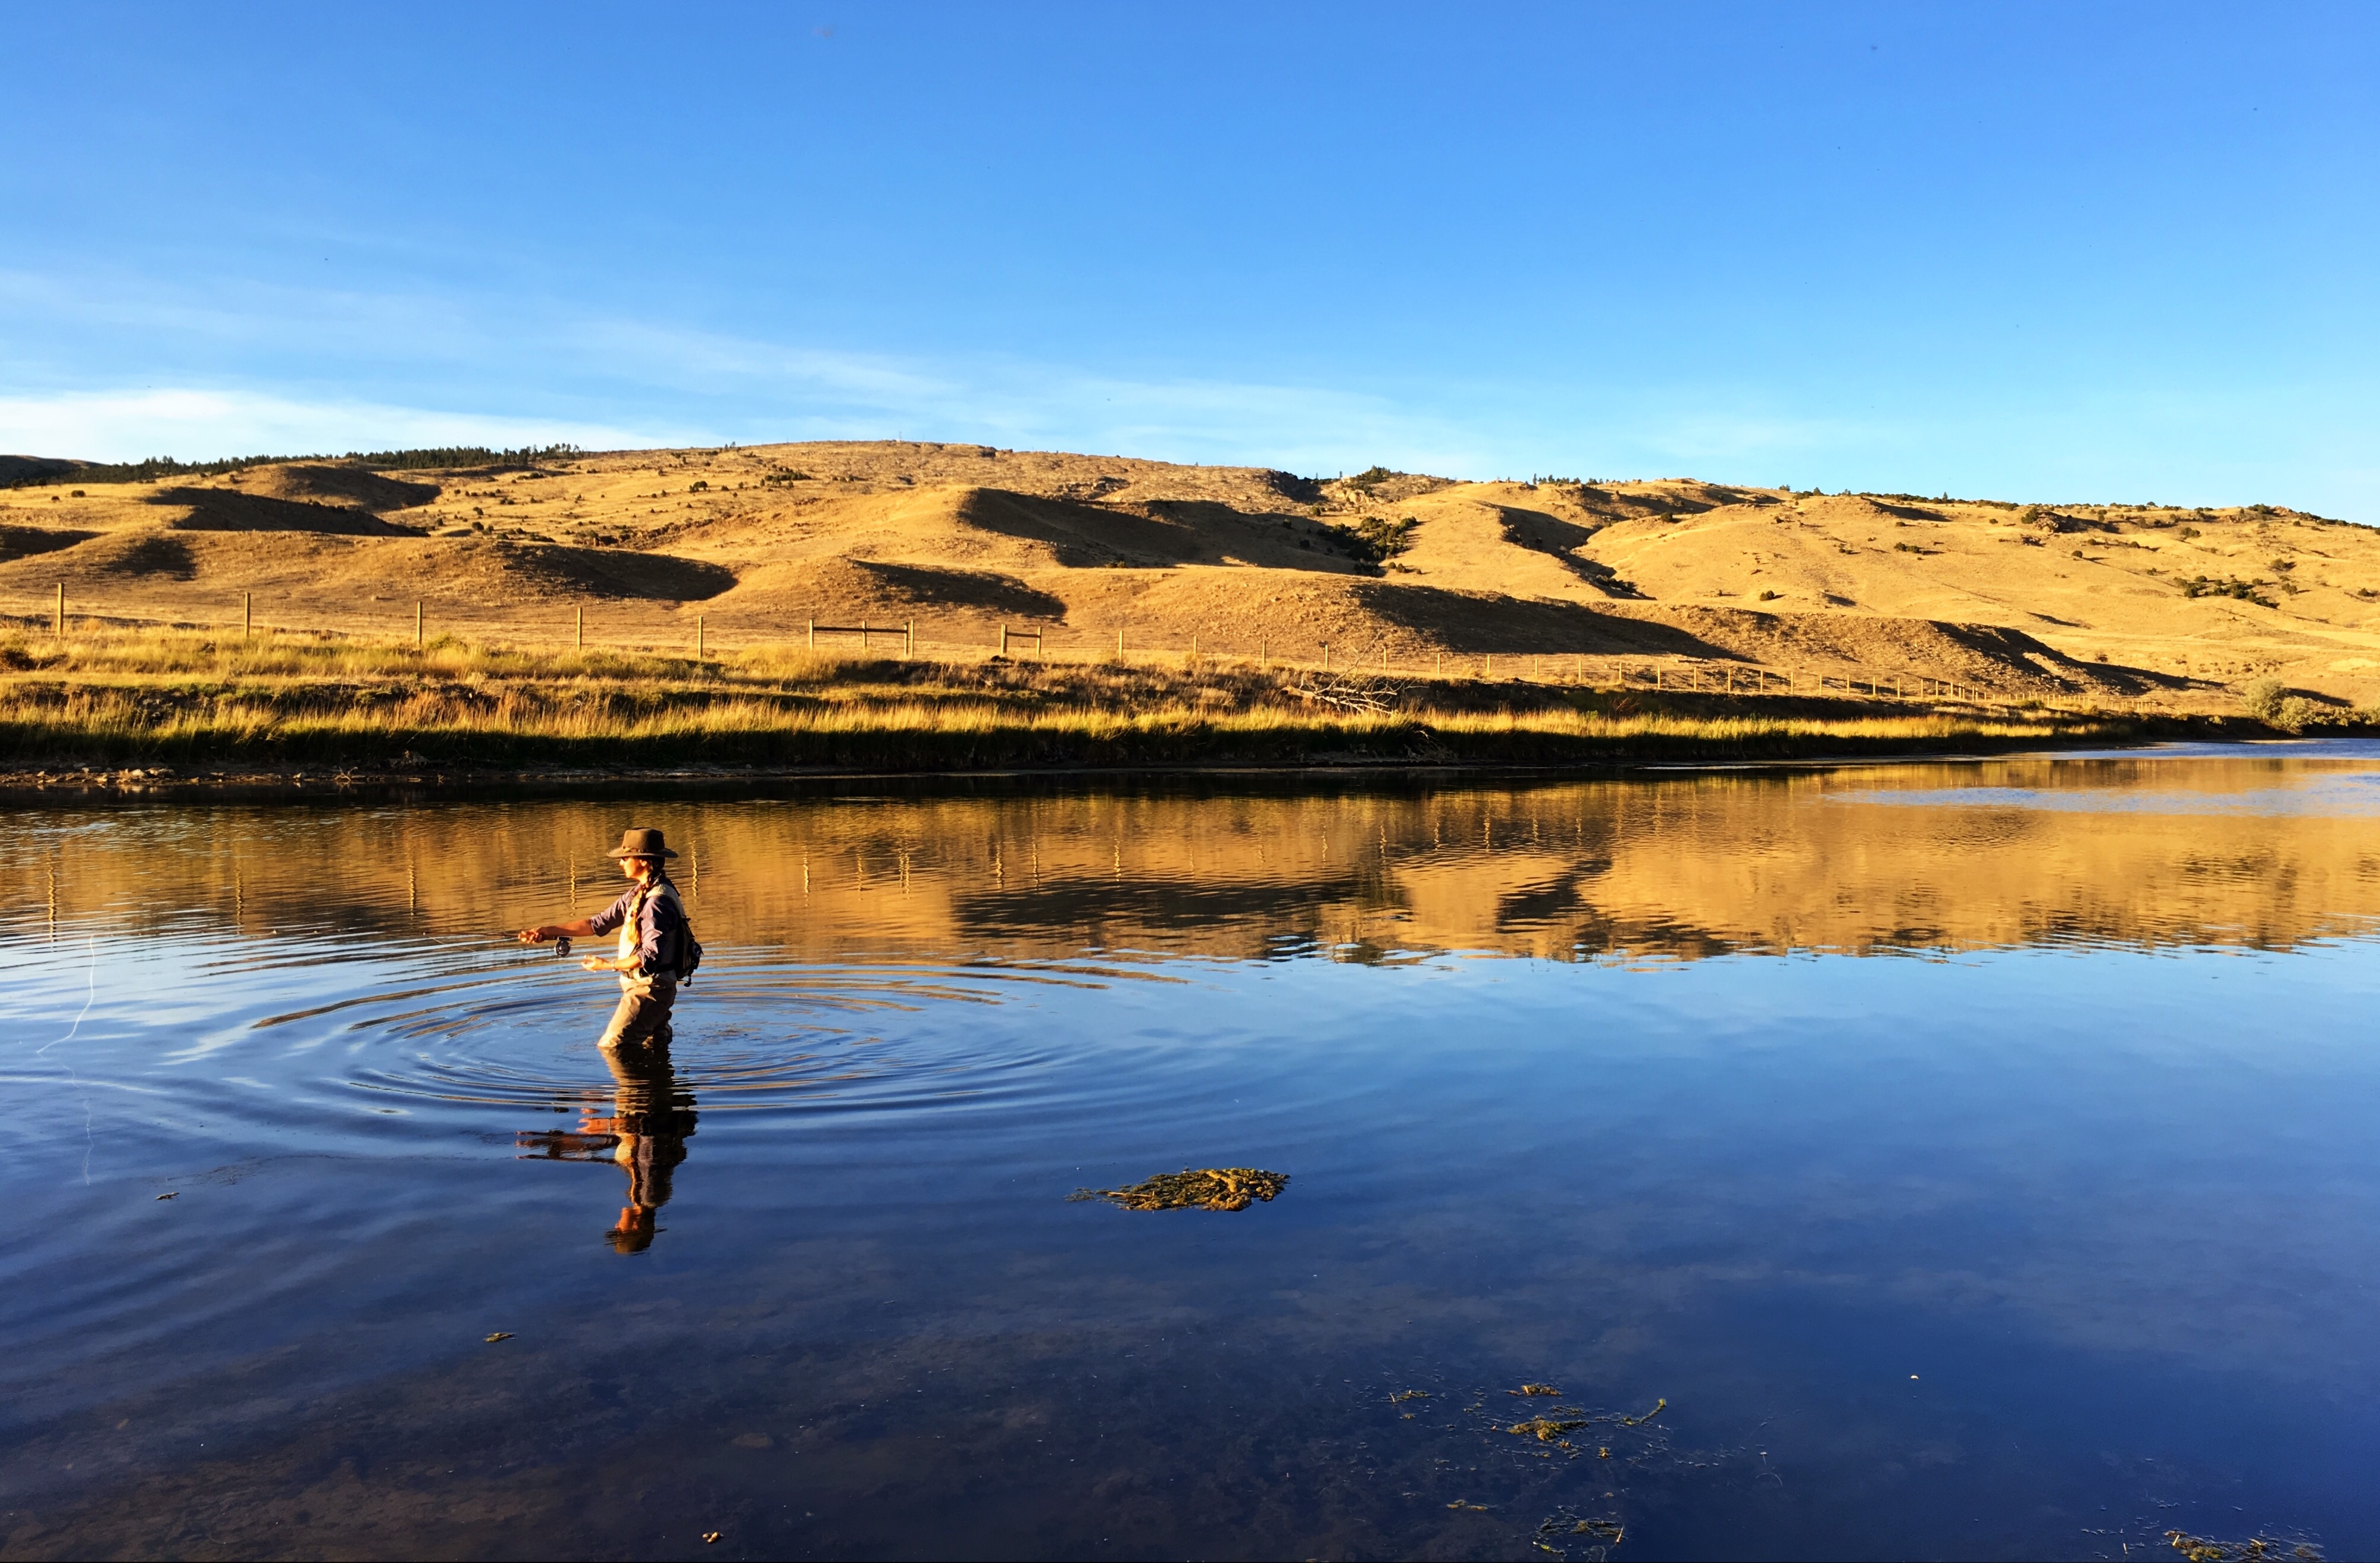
759	542
2084	578
1911	857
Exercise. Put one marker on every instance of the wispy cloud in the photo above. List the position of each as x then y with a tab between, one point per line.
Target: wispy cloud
756	393
123	365
128	425
753	389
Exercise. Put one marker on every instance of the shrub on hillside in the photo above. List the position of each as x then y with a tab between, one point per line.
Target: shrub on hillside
2226	585
2297	713
1380	539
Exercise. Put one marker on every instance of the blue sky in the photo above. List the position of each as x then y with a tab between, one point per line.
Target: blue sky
2052	252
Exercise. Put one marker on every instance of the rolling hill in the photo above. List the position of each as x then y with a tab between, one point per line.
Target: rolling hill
2165	606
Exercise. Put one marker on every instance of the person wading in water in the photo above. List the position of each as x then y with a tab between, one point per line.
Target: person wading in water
655	942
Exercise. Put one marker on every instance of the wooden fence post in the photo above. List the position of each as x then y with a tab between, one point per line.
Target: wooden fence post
909	638
813	635
62	608
579	636
698	646
418	619
1003	640
247	614
1119	643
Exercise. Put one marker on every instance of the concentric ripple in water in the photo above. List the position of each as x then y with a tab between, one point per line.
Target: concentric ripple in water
756	1036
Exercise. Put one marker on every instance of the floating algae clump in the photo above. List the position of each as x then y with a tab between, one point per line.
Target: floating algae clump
1546	1429
1205	1188
2205	1549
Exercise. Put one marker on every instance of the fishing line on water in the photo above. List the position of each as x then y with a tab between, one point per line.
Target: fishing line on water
90	999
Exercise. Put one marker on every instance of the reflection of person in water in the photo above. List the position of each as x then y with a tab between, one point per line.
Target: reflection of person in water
652	1115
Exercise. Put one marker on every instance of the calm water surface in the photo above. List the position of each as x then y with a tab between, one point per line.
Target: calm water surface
1968	1160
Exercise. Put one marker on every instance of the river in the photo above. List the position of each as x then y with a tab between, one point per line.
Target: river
1954	1159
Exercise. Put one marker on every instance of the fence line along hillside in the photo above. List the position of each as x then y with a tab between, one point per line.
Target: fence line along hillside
419	625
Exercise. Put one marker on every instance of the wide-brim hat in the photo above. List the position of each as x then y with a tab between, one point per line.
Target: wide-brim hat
638	842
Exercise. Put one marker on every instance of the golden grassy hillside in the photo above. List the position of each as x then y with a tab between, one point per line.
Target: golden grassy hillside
2166	609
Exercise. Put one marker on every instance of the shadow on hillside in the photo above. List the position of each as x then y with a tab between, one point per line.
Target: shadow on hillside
1289	486
2022	651
343	485
981	590
220	510
24	542
17	469
1475	622
1541	533
558	569
153	553
1174	532
1083	537
1536	531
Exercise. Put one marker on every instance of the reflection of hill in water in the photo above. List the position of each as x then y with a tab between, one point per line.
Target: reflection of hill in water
2261	852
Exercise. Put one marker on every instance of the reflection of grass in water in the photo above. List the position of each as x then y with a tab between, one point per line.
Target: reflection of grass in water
1207	1188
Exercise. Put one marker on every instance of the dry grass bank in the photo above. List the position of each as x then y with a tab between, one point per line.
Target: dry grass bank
194	700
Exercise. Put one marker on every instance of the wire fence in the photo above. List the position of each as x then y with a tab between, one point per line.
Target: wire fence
428	624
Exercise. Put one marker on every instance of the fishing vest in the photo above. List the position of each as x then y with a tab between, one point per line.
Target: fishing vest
632	933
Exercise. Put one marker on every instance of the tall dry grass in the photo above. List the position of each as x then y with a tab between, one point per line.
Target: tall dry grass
286	654
190	698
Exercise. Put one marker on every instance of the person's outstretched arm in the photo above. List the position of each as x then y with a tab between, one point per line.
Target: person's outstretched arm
583	928
601	923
